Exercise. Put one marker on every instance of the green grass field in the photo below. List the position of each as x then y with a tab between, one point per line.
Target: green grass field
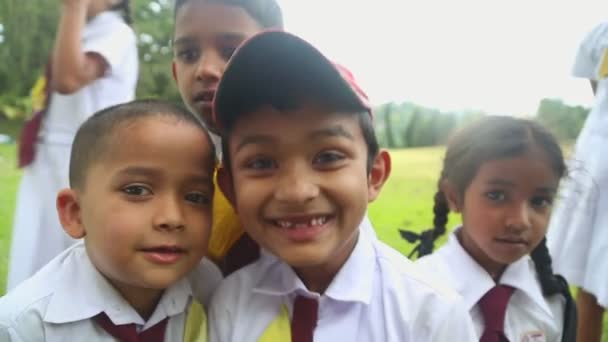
405	201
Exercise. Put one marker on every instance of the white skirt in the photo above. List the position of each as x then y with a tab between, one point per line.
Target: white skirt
578	232
37	235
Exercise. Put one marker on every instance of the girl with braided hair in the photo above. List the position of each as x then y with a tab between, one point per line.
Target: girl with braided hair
93	65
501	175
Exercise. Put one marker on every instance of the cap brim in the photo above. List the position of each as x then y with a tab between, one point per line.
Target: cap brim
273	66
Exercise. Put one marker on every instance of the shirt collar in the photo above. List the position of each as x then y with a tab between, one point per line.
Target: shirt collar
521	275
82	283
279	279
476	282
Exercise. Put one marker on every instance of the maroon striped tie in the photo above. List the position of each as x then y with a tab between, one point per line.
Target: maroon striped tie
304	320
128	332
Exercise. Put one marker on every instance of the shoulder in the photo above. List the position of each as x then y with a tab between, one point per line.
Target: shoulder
108	24
23	309
204	280
426	302
410	286
242	281
33	294
396	266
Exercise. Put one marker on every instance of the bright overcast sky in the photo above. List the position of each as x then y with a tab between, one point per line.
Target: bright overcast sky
499	56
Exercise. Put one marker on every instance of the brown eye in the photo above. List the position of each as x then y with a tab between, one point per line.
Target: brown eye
136	190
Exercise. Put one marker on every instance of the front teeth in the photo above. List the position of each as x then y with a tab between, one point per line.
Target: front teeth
284	224
314	222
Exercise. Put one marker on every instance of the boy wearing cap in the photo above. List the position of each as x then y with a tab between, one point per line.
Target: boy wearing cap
301	164
207	32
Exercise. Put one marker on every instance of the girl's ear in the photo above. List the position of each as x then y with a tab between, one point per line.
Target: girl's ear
451	195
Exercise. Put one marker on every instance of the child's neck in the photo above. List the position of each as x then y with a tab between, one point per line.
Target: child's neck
144	301
318	278
494	269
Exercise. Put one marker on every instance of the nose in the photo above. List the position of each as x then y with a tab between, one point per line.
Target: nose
519	217
210	67
295	186
169	215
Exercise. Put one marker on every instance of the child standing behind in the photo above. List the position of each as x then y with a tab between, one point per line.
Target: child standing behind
93	66
501	174
301	164
140	198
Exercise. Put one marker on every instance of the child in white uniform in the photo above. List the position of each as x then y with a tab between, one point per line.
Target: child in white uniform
578	238
93	66
301	164
501	174
140	197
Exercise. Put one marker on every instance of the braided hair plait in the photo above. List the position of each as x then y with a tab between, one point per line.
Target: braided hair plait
428	237
554	284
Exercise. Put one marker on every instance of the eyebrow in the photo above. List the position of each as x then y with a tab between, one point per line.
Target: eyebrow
509	184
255	140
139	171
334	131
226	36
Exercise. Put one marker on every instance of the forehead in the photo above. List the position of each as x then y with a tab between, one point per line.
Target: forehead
532	169
203	18
159	138
297	124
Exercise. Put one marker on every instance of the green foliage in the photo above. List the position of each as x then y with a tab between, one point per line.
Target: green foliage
153	22
411	125
564	121
27	35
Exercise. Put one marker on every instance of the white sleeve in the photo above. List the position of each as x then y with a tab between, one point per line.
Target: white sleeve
220	323
456	326
111	39
204	279
590	53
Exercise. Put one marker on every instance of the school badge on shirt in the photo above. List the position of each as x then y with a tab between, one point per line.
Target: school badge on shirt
533	336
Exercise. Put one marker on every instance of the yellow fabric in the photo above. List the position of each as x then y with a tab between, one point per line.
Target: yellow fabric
603	71
278	330
38	94
226	226
196	323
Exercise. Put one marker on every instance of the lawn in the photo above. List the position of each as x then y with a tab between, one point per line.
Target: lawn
405	202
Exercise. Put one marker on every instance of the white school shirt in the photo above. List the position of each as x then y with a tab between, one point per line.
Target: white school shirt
109	36
58	302
378	295
530	316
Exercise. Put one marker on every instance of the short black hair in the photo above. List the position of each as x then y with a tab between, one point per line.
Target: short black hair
267	13
94	135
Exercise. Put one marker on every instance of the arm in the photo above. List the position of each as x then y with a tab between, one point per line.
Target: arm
72	69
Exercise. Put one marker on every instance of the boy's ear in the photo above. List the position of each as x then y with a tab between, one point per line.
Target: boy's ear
224	181
378	174
69	212
174	71
451	195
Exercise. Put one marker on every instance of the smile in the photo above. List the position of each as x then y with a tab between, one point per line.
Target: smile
301	223
303	229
